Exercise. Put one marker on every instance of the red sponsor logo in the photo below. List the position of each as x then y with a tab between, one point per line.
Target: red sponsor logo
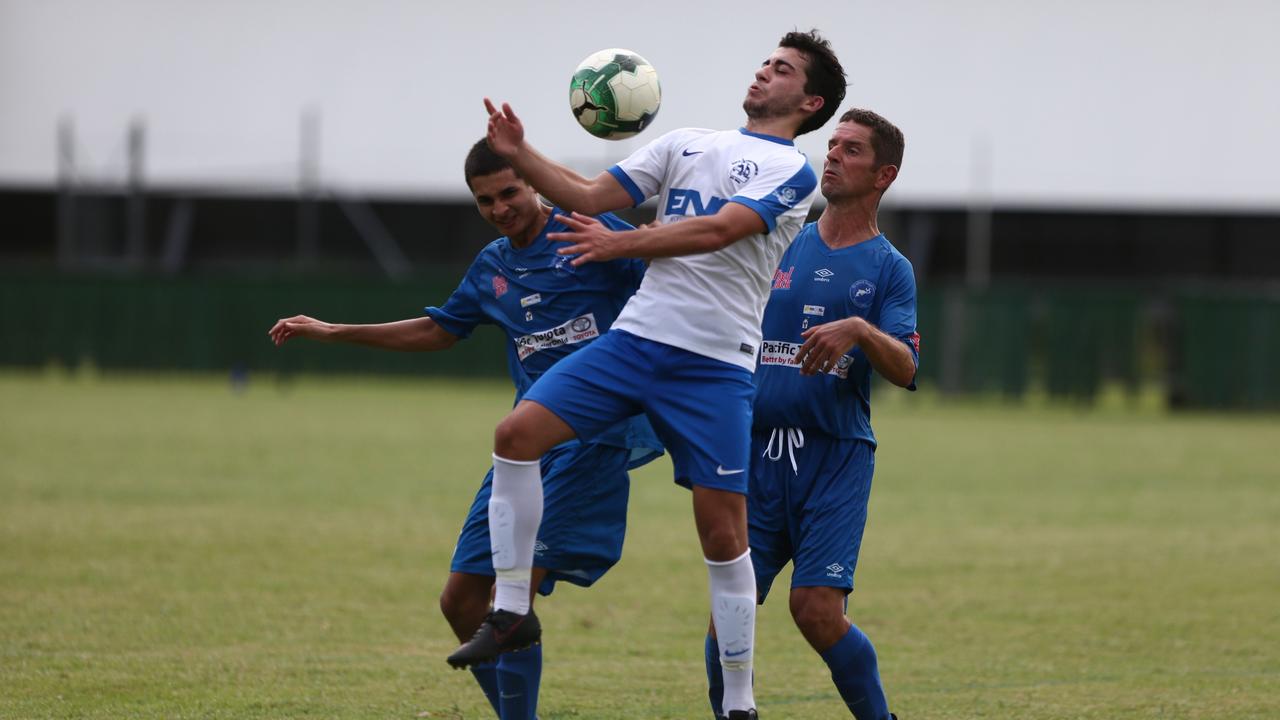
915	341
499	286
782	280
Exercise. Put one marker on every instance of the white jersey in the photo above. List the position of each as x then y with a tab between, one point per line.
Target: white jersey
712	303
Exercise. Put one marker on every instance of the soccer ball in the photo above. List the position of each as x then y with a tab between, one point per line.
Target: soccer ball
614	94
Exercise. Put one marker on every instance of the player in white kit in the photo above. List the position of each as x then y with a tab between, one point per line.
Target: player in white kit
684	347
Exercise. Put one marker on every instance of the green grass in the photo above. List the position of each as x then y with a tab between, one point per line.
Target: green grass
170	548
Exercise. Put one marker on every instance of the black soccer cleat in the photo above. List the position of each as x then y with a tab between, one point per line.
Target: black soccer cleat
743	714
500	632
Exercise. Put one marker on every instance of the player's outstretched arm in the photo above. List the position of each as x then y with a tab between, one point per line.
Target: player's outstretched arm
415	334
825	343
593	242
557	183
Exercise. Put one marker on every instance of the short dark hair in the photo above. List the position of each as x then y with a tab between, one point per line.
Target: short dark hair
482	160
824	76
887	141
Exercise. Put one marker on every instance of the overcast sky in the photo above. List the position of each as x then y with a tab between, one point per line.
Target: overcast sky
1083	103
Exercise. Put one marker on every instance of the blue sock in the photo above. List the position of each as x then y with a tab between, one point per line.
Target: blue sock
519	676
853	668
487	675
715	676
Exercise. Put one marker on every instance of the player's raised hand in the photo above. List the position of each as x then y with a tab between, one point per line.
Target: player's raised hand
299	326
590	240
825	344
505	132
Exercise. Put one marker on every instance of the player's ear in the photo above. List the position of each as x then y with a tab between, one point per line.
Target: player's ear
885	176
813	103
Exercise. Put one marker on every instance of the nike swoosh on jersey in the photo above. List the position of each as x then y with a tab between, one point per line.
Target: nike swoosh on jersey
721	471
686	153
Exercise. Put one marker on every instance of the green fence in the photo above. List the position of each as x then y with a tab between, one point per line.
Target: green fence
1219	350
193	324
1229	352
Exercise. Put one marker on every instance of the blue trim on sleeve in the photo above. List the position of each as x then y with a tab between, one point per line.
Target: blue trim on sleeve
787	195
770	220
448	322
627	184
770	138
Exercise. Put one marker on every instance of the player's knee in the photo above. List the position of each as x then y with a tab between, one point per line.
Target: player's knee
721	518
815	614
722	542
526	433
510	439
450	604
456	604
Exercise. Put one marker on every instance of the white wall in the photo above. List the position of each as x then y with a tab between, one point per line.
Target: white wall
1127	102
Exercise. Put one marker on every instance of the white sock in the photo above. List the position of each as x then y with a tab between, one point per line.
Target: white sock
733	610
515	512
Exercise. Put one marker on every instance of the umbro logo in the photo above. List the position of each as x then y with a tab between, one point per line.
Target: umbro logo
825	273
834	570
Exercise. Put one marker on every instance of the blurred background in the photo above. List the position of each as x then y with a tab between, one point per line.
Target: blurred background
1090	195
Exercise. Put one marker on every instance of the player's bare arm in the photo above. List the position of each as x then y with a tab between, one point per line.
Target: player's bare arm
593	242
554	181
413	335
824	345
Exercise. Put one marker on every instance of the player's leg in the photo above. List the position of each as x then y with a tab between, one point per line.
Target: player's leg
702	411
835	481
847	651
466	597
768	535
583	526
515	507
721	520
576	397
511	684
515	513
464	603
519	673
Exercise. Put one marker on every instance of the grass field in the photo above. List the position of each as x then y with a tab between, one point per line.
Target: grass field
170	548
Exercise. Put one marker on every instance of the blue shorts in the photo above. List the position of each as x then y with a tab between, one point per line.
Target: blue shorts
813	516
699	407
584	517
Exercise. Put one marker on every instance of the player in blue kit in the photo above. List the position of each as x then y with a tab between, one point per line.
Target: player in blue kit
548	309
843	304
684	347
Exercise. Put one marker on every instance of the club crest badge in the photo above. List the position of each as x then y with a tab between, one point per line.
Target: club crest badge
742	171
862	293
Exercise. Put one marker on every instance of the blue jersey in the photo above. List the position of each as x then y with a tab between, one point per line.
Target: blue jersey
813	285
547	308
